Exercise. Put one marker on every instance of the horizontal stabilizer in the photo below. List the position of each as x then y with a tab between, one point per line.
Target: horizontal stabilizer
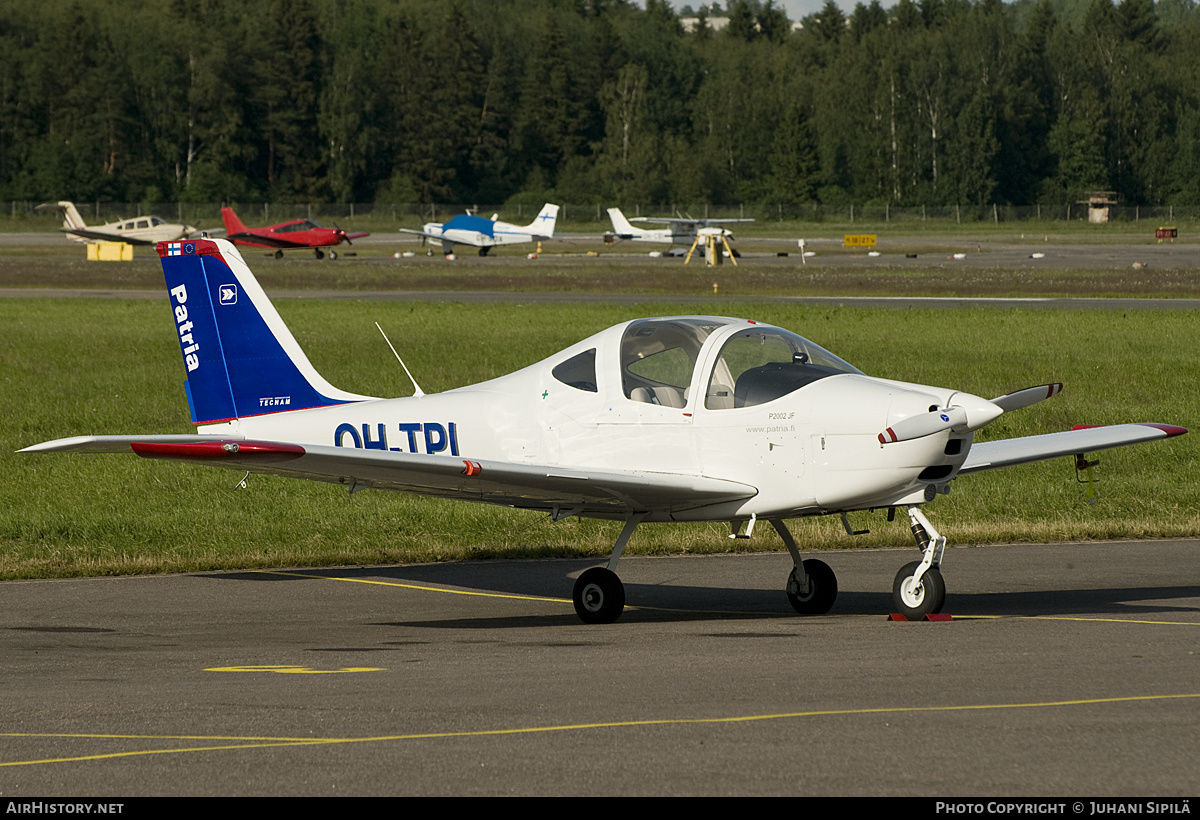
109	444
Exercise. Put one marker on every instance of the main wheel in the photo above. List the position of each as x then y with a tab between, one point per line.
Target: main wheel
317	253
822	589
278	254
916	600
599	596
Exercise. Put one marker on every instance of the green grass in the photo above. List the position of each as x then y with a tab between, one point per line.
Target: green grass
71	367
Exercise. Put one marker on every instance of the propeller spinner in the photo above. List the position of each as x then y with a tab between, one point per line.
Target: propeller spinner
965	413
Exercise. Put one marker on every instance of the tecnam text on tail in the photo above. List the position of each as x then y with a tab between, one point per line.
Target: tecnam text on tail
682	418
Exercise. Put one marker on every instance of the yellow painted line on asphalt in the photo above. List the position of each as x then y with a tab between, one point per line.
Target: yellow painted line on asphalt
510	596
422	587
292	669
265	742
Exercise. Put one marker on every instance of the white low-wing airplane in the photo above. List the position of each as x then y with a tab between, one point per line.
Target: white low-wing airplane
141	230
679	231
486	234
687	418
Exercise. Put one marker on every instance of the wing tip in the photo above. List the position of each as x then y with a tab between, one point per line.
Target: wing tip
1169	430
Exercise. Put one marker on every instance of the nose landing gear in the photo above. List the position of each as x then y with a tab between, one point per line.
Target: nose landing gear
919	588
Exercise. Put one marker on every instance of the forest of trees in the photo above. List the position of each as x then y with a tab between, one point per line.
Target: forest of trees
935	102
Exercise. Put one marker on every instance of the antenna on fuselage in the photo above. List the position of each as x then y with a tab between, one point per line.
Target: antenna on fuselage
416	387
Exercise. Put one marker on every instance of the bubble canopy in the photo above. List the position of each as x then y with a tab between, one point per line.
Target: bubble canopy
756	364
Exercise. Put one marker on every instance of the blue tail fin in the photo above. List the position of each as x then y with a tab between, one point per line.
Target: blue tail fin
241	359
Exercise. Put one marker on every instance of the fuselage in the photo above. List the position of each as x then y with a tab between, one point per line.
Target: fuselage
302	233
479	232
674	395
144	230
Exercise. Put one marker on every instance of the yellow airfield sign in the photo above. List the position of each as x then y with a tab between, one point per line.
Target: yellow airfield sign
859	240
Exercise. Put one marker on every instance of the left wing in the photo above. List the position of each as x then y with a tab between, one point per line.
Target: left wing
495	482
991	455
266	241
105	236
417	233
667	220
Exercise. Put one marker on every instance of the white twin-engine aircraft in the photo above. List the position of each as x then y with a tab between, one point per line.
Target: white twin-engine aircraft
688	418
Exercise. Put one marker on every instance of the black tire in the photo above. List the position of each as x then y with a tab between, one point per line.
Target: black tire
927	598
278	254
822	589
599	596
317	253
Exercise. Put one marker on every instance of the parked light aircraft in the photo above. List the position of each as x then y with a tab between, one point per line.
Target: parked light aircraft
486	234
679	231
294	235
684	418
142	230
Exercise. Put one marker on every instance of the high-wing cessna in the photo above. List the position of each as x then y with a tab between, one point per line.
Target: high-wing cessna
297	234
688	418
679	231
142	230
486	234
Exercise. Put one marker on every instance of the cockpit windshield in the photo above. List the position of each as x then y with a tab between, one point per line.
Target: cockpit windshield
658	357
758	365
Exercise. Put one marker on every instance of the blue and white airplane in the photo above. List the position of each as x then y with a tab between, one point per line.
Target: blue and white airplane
678	418
486	234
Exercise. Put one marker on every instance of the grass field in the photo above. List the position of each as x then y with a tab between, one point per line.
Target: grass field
628	270
71	367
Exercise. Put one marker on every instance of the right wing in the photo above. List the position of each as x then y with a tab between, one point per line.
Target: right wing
992	455
495	482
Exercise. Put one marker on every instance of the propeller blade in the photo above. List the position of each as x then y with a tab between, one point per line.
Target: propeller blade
1030	395
965	413
924	424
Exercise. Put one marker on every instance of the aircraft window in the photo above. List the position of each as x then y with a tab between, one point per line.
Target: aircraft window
760	365
579	371
143	223
302	225
658	357
154	220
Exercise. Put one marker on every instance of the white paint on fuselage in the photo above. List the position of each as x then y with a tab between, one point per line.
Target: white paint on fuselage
812	451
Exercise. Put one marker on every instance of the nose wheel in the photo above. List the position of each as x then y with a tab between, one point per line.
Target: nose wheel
919	589
917	597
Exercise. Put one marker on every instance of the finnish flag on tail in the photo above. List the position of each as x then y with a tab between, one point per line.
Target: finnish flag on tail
180	248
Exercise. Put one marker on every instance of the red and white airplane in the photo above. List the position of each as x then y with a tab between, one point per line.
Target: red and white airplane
681	418
295	235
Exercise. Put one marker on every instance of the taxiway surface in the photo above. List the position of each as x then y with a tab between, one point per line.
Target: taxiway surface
1070	669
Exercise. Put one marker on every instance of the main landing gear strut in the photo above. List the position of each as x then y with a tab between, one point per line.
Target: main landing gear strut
599	595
